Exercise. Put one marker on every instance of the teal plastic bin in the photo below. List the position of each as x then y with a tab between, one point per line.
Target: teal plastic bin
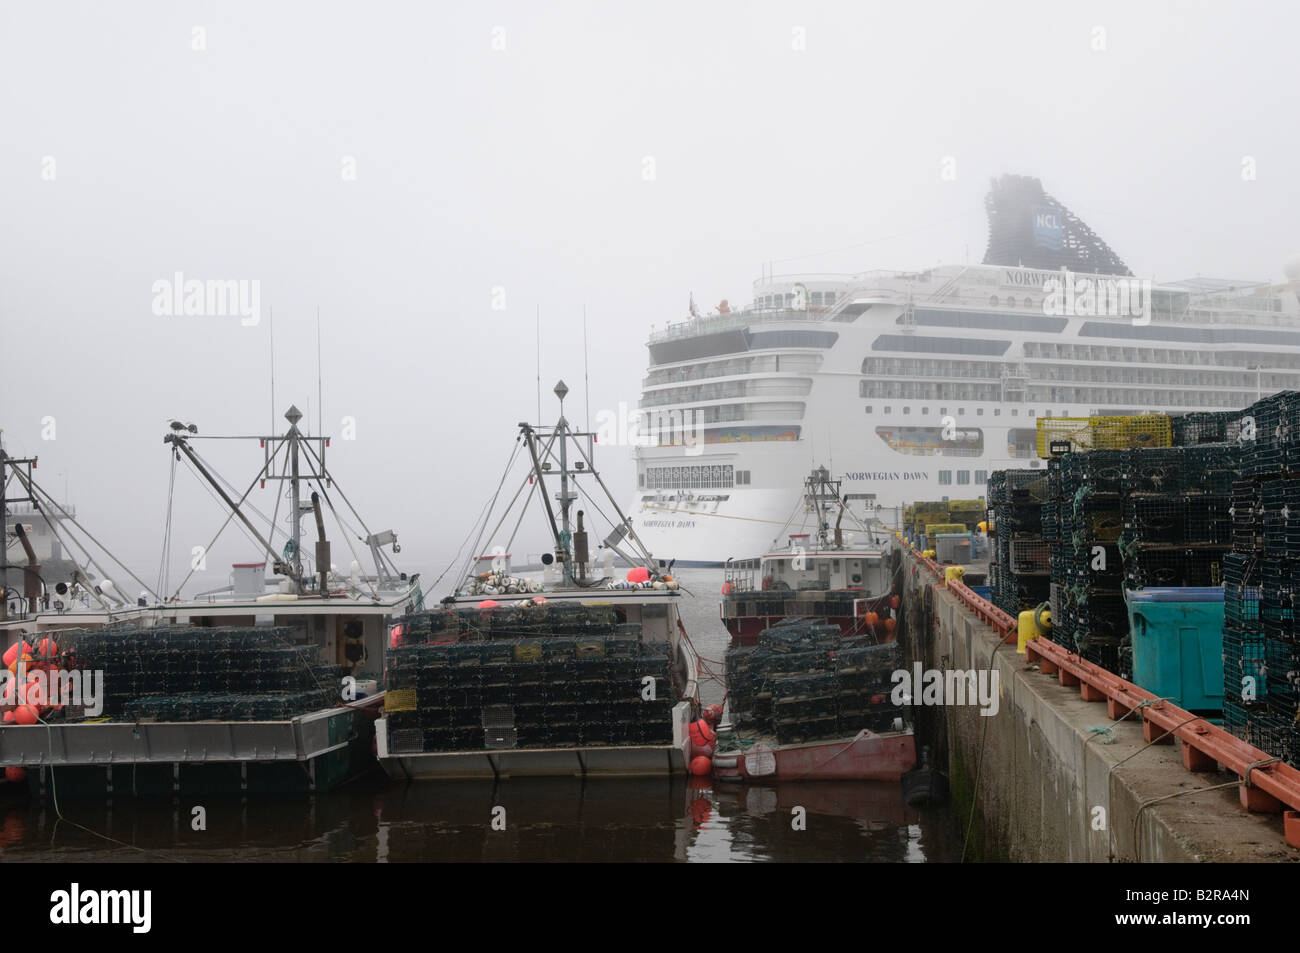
1178	645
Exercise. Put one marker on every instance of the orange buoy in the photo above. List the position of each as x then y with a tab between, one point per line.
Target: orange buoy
638	574
11	653
726	588
890	625
701	734
872	619
701	766
33	693
488	604
893	602
713	715
26	715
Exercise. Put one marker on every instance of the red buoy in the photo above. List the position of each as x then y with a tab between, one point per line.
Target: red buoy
713	715
26	715
11	653
488	604
893	602
638	574
701	766
701	734
15	773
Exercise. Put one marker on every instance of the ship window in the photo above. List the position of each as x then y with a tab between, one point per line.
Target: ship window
868	408
979	411
961	411
963	476
889	410
1031	413
993	301
997	411
945	477
640	481
981	476
907	410
1029	302
925	410
1015	412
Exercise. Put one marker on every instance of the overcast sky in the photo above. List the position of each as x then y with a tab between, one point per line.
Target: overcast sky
404	167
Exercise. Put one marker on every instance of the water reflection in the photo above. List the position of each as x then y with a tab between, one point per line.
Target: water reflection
536	820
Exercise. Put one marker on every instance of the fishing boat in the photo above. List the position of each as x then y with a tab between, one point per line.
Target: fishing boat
190	699
813	651
823	570
573	669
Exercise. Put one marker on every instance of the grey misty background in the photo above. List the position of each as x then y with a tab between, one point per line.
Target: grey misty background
523	169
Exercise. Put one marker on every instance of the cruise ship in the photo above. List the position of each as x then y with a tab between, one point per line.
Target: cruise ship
916	385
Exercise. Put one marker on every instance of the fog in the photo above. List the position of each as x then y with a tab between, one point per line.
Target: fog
432	177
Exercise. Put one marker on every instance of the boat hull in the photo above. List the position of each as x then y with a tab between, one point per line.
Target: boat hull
865	757
623	761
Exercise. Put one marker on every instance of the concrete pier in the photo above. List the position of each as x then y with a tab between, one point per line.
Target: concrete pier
1043	784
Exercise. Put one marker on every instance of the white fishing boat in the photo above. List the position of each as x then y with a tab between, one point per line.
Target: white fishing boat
573	669
337	620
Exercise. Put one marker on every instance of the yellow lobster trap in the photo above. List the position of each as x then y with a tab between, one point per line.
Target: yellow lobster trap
1071	434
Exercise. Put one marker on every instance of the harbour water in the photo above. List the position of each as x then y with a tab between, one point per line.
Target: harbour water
685	819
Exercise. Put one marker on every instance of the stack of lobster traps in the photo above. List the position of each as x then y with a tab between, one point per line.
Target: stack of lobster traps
804	682
1261	641
526	677
1019	568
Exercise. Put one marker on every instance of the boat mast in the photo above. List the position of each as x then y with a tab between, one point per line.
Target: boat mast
561	390
293	415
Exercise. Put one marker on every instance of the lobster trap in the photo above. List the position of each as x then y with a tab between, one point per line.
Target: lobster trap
1075	434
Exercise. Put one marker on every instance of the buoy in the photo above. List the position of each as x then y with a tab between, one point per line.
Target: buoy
33	693
890	625
11	653
701	766
726	588
15	773
702	734
488	604
713	715
9	717
705	751
26	715
638	574
396	637
893	602
540	601
47	649
871	619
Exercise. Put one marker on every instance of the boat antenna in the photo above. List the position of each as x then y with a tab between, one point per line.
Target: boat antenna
586	379
539	364
270	320
320	391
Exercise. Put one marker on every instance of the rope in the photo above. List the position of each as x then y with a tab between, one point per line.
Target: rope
1137	817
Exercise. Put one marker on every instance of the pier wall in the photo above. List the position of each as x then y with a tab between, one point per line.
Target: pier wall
1042	784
